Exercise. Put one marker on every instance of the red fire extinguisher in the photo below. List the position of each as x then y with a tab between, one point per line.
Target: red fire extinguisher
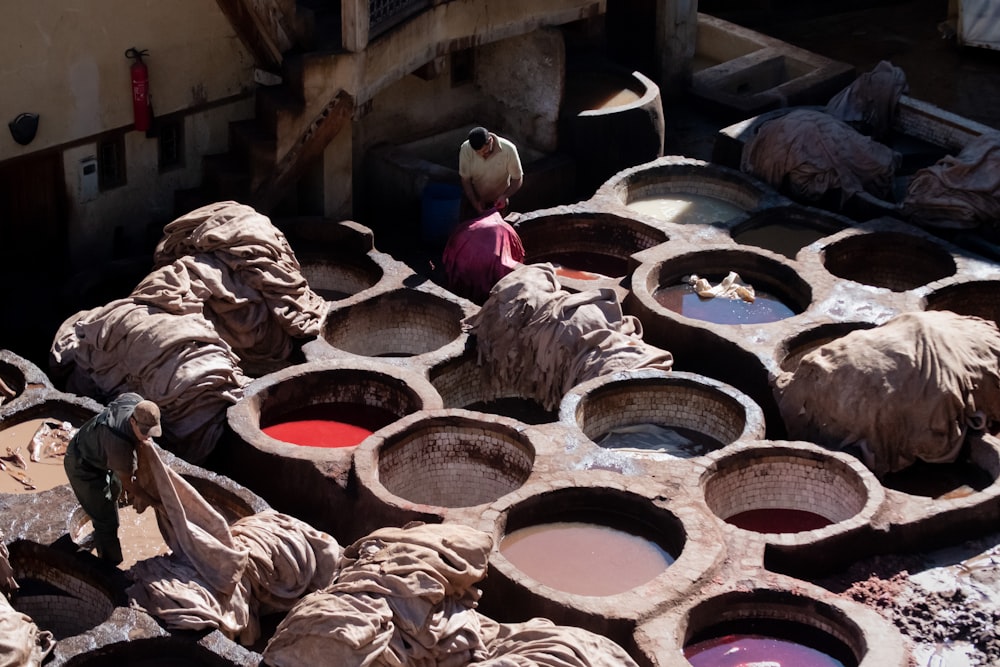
141	106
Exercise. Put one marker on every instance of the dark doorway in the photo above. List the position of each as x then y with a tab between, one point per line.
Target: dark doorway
33	253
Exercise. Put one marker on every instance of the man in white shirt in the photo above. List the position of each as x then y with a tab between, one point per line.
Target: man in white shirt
490	170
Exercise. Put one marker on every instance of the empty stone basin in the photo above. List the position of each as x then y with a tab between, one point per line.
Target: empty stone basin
806	631
327	404
674	413
585	246
680	191
401	323
339	276
787	229
791	351
162	652
59	592
979	298
784	489
463	383
780	291
447	459
893	260
40	431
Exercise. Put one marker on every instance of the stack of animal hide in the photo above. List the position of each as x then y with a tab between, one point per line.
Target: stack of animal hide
407	596
534	336
227	289
909	389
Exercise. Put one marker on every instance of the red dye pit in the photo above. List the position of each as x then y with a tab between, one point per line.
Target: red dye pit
684	300
587	265
330	424
740	650
778	520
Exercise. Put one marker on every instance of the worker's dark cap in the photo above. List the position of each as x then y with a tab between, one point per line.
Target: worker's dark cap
478	137
147	417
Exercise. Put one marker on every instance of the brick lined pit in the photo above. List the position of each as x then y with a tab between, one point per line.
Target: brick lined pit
795	617
791	351
601	235
674	400
336	277
979	298
56	592
892	260
463	383
454	461
787	229
401	323
778	477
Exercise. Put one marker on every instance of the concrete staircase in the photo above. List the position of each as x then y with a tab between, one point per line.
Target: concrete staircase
251	171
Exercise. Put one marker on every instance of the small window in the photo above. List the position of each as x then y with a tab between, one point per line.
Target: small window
111	163
170	144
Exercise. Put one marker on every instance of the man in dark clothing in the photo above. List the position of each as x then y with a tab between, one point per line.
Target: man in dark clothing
101	461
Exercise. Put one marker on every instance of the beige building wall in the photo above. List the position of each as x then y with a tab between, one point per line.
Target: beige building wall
65	60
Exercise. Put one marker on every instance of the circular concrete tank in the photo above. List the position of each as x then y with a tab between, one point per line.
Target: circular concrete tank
791	350
676	191
893	260
61	593
673	413
585	247
611	119
795	491
979	298
445	459
337	276
596	586
787	229
464	383
663	288
401	323
802	627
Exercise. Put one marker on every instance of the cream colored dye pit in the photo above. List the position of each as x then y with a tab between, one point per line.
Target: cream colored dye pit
47	472
584	558
138	533
686	209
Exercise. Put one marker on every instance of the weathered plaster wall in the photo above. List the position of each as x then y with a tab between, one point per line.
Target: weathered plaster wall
64	60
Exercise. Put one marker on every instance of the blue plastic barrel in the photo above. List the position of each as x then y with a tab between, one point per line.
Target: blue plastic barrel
439	212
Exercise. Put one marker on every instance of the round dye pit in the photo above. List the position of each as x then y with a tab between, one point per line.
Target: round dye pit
979	298
893	260
402	323
772	628
450	459
590	541
675	190
139	534
463	383
11	382
585	246
33	444
676	413
157	652
329	404
779	291
787	229
781	489
791	351
59	593
339	276
976	469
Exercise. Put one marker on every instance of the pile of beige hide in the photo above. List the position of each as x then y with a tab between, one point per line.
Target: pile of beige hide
534	336
912	388
399	596
226	288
